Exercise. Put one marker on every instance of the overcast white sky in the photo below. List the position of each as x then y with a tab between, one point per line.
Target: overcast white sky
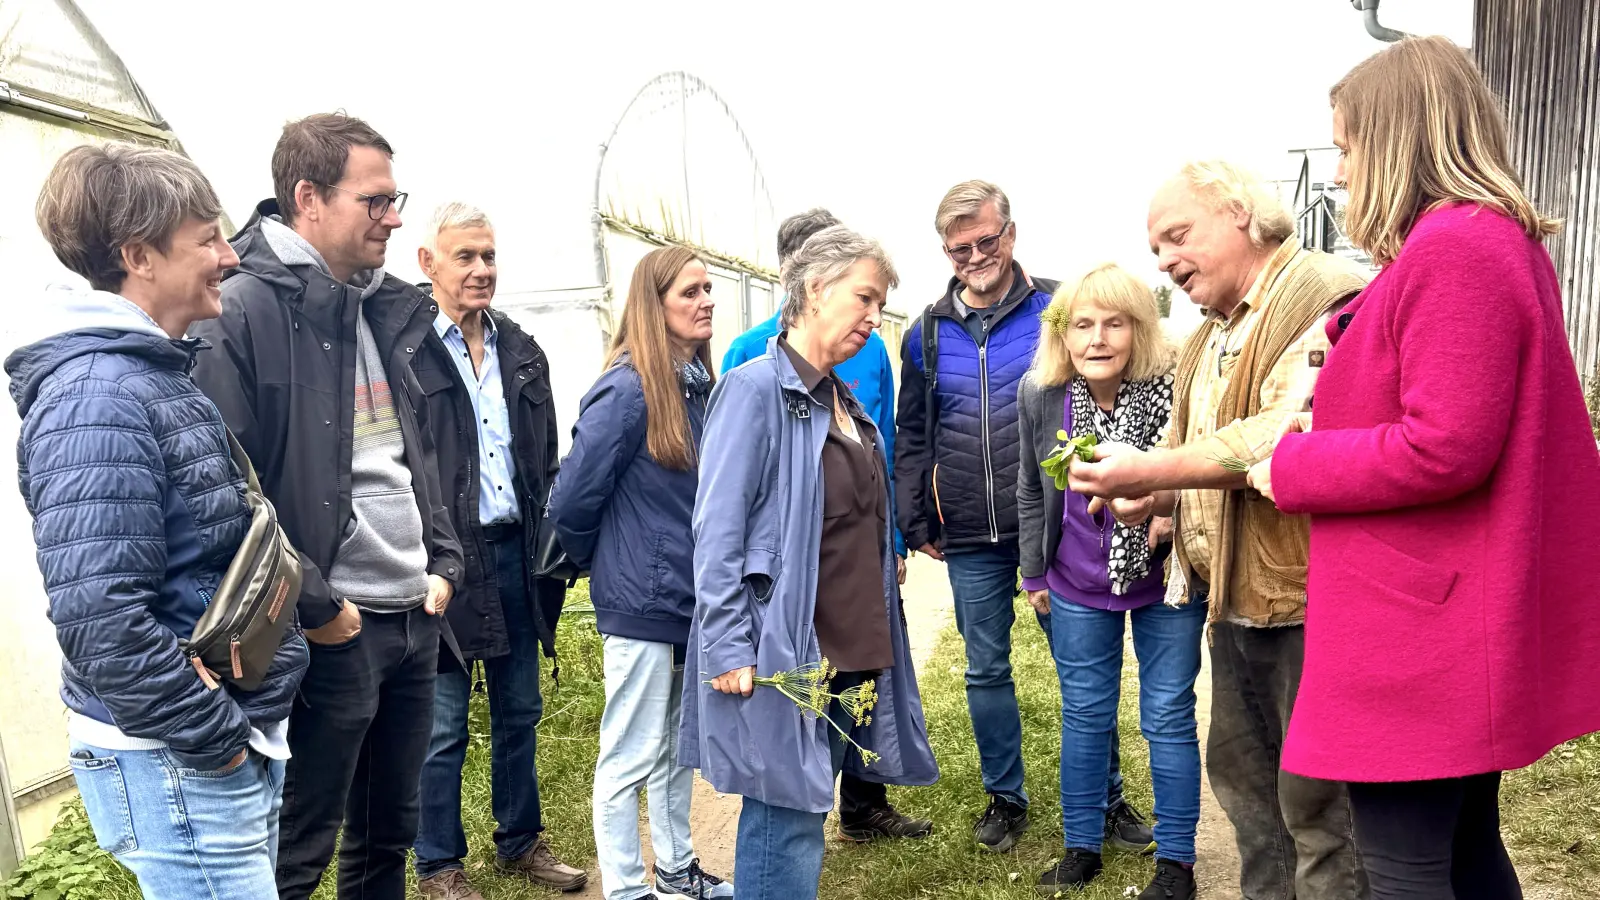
872	109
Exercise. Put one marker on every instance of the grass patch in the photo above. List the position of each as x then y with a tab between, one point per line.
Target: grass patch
69	865
1551	811
949	864
1550	816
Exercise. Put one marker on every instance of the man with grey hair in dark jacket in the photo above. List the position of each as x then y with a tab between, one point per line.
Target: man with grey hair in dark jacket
487	384
312	369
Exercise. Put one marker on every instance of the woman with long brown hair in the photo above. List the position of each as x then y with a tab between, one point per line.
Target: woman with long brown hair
1450	631
622	507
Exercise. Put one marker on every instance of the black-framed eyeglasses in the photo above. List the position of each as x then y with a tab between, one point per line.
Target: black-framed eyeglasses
962	253
377	204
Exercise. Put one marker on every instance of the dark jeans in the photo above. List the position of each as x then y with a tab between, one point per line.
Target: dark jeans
984	582
359	732
514	709
1295	837
1434	840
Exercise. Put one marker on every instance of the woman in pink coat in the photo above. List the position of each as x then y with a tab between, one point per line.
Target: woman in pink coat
1453	626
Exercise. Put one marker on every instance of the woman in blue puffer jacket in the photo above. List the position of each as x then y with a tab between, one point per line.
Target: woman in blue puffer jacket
622	507
138	510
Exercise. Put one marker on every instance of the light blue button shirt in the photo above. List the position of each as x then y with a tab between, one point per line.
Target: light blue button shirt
497	495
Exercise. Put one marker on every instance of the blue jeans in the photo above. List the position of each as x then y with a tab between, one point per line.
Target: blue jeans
1088	654
182	832
515	706
779	851
984	582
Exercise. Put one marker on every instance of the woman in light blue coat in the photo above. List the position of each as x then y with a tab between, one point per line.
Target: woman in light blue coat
794	561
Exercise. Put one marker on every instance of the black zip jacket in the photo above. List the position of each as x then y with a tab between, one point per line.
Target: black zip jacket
475	614
283	372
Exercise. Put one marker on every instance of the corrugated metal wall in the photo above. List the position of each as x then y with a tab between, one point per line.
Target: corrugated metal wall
1543	58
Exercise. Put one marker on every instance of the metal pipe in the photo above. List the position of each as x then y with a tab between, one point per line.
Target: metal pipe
1369	11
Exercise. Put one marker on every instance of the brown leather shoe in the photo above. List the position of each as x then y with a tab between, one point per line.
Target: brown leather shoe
541	866
451	884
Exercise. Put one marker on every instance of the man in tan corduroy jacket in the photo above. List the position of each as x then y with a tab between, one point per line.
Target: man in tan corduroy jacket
1247	371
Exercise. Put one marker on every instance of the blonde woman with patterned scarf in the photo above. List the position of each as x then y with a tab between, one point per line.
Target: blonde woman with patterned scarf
1103	369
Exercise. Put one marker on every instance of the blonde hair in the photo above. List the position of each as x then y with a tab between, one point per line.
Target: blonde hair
1226	187
967	199
1424	130
643	336
1115	289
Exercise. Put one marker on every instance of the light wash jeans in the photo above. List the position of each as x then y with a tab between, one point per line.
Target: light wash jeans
182	832
639	748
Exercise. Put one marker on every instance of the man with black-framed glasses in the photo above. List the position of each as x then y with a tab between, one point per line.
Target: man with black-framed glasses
311	366
955	476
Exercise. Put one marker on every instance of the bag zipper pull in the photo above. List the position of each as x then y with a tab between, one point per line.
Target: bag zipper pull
207	677
233	655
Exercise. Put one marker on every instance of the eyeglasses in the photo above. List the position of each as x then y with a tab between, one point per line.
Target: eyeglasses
377	204
962	253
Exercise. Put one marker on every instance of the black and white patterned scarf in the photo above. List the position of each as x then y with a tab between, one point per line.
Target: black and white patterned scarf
1140	418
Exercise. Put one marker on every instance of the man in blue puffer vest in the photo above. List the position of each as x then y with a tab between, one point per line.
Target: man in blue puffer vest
864	810
955	477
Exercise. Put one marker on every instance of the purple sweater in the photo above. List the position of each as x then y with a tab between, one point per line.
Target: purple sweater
1079	571
1079	564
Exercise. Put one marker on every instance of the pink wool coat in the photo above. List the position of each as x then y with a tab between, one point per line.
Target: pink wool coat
1453	618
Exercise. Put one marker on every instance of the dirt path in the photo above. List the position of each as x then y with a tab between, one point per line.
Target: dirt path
1218	868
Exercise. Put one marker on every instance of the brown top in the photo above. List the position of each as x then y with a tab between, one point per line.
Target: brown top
852	614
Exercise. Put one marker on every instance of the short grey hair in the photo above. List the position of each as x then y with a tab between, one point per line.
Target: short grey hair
797	229
826	257
101	198
1224	186
454	214
967	199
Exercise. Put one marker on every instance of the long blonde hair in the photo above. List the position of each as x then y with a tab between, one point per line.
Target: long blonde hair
643	336
1424	130
1113	288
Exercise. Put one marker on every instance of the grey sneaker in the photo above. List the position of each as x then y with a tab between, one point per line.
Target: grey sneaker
451	884
541	866
693	882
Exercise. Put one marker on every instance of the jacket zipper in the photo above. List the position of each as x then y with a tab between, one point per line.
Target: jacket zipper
988	455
